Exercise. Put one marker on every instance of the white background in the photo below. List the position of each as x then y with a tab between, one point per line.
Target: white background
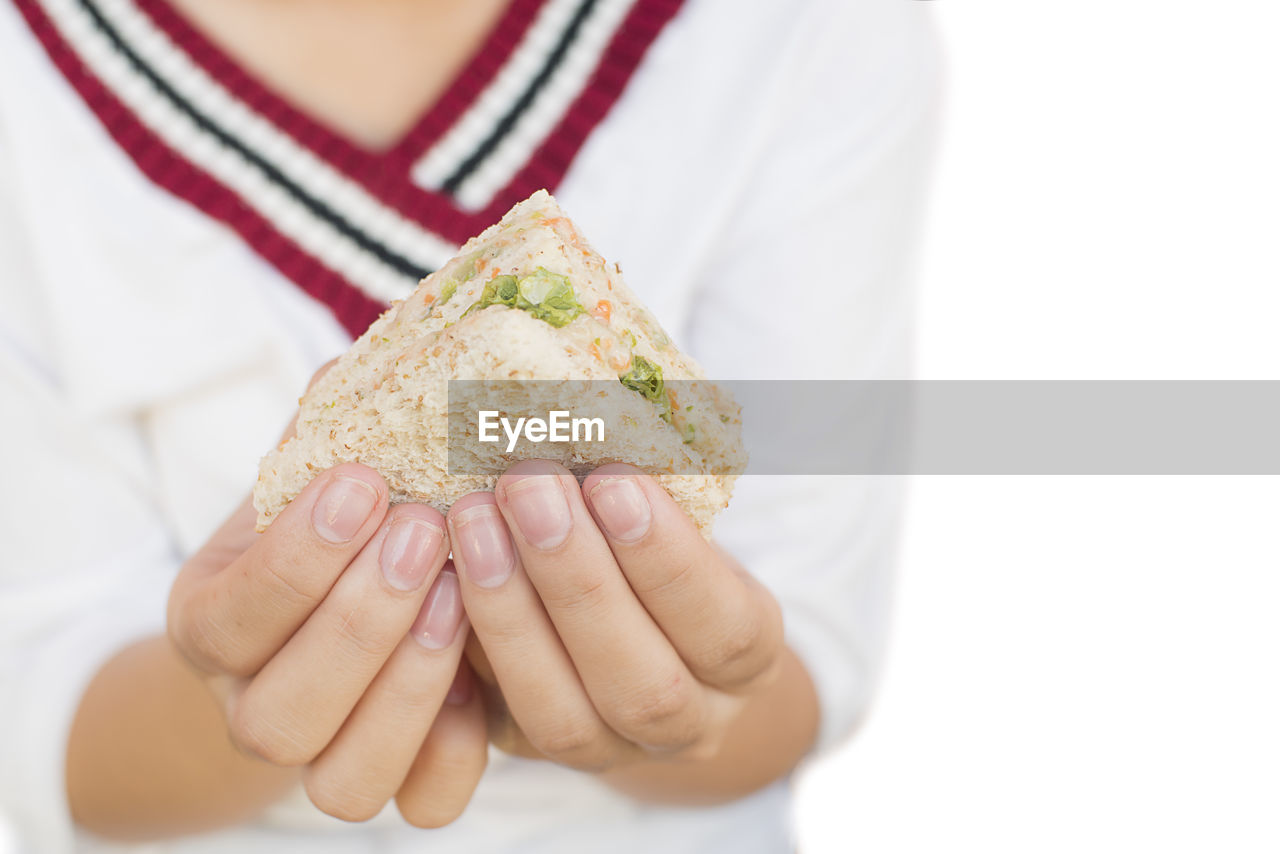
1087	664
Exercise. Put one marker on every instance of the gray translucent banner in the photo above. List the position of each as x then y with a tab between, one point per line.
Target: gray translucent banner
892	427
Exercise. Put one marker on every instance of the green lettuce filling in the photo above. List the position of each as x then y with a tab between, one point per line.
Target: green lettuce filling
446	293
645	379
545	295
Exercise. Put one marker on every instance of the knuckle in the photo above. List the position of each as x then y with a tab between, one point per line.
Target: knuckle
678	571
253	734
364	638
573	743
564	739
206	644
333	797
277	573
414	700
738	656
661	717
504	634
190	638
576	594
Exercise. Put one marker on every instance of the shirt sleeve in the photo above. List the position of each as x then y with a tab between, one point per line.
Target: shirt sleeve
811	280
147	357
86	571
86	563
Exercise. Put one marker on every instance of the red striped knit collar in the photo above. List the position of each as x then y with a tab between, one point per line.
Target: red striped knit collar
512	26
352	227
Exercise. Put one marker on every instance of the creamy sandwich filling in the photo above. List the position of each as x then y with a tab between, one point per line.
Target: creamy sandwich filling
550	297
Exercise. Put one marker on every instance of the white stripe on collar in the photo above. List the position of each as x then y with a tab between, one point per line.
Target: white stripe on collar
341	194
553	99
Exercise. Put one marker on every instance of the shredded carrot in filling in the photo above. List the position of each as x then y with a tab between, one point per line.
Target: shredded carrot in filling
603	310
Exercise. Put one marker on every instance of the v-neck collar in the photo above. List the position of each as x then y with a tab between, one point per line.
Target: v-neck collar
477	73
353	228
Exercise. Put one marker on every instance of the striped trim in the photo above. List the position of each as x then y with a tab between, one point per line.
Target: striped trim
323	212
509	119
509	32
275	174
198	117
521	107
179	175
350	226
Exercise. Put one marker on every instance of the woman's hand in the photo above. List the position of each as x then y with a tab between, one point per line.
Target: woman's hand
333	640
615	632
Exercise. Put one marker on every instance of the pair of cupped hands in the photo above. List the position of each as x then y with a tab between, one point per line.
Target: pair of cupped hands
588	624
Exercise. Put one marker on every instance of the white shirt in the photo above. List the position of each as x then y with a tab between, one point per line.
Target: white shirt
759	182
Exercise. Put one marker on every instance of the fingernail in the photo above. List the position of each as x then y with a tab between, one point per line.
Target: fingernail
623	510
460	691
408	551
540	509
438	621
343	508
482	541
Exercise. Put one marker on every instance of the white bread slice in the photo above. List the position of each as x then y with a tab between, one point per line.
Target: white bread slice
385	403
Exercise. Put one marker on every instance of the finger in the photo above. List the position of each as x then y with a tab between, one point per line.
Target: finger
231	618
504	733
725	625
631	672
479	662
238	532
365	764
451	761
539	682
293	707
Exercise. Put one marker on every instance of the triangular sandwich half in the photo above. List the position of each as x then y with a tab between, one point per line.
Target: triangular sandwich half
529	309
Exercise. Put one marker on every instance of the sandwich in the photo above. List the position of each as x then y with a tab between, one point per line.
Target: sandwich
525	325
